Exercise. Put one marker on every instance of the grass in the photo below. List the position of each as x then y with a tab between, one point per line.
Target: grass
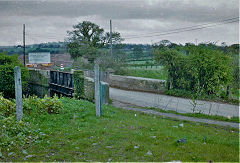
147	73
199	115
146	67
192	95
76	134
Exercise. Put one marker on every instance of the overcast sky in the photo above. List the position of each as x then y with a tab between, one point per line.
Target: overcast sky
48	20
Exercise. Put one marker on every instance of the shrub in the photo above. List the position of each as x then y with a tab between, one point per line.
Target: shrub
7	107
13	132
45	105
80	63
7	85
78	77
202	71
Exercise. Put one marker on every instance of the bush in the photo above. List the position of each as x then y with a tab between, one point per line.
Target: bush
106	62
78	77
45	105
7	107
202	71
80	63
15	133
7	85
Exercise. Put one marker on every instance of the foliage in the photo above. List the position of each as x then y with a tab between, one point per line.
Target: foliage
137	52
121	135
86	37
52	47
15	133
7	84
203	70
78	77
7	107
45	105
81	63
36	77
18	133
105	61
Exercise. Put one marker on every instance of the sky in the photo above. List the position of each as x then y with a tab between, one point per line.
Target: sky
138	21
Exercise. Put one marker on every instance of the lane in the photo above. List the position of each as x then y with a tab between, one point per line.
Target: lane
180	105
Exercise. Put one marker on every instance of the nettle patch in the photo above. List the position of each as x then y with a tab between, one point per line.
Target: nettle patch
45	105
15	133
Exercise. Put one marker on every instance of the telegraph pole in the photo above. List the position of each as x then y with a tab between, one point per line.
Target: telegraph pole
196	41
111	38
24	61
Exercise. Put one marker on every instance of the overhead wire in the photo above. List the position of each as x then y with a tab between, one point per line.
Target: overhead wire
185	29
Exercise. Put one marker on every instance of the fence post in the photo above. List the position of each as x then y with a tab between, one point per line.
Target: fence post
18	92
97	90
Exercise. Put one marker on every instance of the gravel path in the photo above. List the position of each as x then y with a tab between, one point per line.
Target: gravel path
180	105
174	116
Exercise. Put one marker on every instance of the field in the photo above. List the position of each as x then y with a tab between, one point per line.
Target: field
146	72
76	134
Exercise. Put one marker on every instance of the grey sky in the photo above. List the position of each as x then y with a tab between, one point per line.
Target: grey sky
48	20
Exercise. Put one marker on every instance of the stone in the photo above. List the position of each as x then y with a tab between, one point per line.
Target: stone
184	140
149	153
136	147
11	153
181	124
24	152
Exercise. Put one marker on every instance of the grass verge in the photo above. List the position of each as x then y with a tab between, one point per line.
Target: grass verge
199	115
76	134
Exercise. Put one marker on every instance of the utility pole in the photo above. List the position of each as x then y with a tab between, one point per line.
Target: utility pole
111	38
24	61
196	41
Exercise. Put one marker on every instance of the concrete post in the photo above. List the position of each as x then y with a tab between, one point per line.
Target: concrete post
18	92
97	90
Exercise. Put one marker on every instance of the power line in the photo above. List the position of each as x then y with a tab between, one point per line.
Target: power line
48	37
191	28
188	27
167	33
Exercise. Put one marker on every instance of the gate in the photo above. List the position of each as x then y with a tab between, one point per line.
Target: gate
61	83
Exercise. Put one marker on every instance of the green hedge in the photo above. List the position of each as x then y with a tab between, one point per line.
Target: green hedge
7	84
78	79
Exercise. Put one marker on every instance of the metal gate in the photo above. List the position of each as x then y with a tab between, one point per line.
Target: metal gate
61	83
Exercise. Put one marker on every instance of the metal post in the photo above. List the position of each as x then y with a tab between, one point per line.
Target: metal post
18	92
97	90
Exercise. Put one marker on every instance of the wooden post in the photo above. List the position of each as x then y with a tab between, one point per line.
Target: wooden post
111	38
18	92
97	90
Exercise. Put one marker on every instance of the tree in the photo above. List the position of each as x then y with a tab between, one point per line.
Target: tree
204	70
137	52
86	38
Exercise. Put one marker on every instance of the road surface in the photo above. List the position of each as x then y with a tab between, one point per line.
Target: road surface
180	105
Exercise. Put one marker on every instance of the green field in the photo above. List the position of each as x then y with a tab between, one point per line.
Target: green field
154	73
76	134
141	62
